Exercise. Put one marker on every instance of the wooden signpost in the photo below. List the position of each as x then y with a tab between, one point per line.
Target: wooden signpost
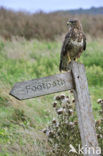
74	79
43	86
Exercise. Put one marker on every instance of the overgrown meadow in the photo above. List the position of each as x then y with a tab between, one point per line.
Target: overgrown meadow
21	122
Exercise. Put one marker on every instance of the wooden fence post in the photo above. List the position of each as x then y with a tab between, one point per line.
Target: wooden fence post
84	108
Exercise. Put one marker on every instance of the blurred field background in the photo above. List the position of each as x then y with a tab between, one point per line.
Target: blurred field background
30	46
46	25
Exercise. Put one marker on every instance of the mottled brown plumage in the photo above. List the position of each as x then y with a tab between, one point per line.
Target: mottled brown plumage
73	45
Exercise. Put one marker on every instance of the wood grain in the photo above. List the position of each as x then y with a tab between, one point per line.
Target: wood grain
42	86
84	108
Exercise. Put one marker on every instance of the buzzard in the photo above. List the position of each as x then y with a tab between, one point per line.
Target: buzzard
73	45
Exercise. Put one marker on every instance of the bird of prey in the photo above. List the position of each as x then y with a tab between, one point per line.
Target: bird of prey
73	45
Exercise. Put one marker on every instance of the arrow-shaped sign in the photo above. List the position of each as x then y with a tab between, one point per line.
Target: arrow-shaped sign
42	86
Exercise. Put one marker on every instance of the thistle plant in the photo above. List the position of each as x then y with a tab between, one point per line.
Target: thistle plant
63	130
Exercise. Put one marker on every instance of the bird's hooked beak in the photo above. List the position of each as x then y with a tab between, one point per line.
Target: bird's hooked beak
68	23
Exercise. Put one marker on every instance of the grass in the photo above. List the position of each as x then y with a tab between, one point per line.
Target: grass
22	121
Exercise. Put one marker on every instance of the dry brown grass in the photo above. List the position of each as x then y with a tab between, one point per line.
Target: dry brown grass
45	26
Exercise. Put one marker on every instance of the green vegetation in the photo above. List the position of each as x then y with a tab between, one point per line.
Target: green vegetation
22	121
63	130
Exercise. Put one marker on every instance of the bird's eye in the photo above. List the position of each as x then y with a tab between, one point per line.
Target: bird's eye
72	22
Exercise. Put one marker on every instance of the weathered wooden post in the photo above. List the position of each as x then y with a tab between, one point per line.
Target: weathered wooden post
74	79
84	108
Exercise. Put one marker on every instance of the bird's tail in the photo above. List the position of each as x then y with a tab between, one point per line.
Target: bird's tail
64	63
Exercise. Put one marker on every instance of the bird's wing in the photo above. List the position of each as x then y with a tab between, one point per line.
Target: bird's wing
63	56
65	46
84	42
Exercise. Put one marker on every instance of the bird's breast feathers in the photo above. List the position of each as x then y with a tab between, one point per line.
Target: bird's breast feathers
77	43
